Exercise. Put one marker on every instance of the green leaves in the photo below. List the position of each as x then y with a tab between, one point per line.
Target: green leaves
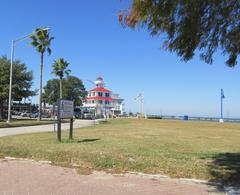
49	51
60	68
22	80
191	25
73	89
41	40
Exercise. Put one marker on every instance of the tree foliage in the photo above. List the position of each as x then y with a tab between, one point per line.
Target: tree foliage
60	68
73	89
190	25
41	40
21	83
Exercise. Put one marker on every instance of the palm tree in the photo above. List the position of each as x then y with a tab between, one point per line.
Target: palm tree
41	40
60	69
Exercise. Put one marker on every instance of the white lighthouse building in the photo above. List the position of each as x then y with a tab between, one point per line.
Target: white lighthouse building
102	103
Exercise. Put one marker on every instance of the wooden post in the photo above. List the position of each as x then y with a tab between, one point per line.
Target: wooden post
59	122
71	129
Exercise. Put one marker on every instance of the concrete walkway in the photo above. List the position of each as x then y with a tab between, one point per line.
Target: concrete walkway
23	177
43	128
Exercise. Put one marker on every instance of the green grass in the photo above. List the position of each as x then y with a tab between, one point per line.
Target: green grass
203	150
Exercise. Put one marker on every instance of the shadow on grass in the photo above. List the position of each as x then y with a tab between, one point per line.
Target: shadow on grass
75	141
104	122
225	168
88	140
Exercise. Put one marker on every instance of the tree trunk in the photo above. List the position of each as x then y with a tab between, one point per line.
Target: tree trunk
44	105
61	94
40	89
1	109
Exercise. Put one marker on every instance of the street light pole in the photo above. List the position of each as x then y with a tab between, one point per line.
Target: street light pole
10	83
11	70
222	97
221	106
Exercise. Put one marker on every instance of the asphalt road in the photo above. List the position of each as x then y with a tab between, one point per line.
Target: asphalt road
43	128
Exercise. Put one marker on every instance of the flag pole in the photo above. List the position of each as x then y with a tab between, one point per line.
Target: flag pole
221	104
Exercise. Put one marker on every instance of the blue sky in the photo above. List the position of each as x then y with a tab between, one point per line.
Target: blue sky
88	35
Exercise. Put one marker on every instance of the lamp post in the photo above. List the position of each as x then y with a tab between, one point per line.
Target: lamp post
222	97
11	70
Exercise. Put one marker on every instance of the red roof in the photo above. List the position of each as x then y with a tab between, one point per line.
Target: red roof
100	89
99	98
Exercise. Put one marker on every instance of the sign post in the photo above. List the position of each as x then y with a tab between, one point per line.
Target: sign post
71	129
65	111
59	121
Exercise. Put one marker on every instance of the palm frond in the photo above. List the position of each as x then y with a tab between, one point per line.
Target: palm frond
67	72
41	40
41	49
34	43
49	51
60	68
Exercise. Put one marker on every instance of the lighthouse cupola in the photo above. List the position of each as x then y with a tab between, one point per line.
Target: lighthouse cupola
99	82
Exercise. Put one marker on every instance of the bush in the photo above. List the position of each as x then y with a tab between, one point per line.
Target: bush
154	117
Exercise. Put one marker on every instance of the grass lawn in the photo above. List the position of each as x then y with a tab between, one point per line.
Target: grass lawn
203	150
23	122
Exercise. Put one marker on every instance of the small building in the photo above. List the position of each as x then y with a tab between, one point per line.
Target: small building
101	102
117	105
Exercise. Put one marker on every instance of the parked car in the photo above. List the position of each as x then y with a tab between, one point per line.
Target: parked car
14	112
35	115
77	114
26	114
18	113
46	115
88	116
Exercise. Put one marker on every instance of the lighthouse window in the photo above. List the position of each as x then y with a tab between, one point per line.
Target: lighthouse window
107	102
100	101
100	94
107	94
93	94
93	101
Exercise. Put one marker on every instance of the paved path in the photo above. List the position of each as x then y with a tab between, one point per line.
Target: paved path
21	177
43	128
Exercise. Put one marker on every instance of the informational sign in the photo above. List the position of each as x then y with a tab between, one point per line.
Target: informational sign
66	109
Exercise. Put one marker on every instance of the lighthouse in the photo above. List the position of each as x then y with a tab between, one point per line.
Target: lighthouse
98	101
101	102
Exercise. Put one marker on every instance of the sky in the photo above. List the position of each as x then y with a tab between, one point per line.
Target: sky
89	36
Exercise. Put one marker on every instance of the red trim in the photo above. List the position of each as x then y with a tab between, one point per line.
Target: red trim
100	89
99	98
